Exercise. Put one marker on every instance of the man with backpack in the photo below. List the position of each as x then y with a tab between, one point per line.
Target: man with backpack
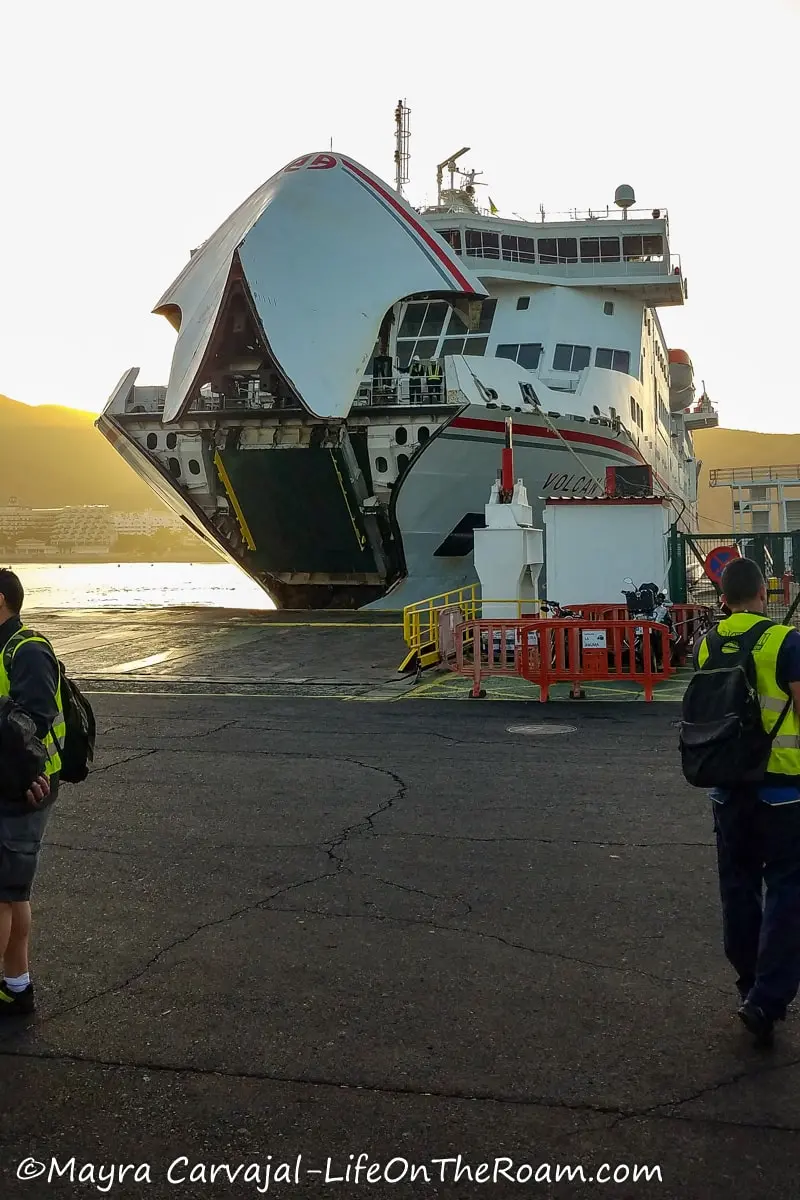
740	737
30	683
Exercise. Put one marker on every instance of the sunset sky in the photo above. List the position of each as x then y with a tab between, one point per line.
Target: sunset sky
130	132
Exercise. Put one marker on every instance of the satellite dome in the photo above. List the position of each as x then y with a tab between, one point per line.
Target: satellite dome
624	196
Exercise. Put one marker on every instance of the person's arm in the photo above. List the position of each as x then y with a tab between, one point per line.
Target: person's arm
787	668
34	683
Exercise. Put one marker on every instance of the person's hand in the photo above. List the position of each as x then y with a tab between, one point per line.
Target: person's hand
38	791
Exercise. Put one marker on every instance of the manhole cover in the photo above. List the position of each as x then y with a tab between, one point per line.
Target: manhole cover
542	730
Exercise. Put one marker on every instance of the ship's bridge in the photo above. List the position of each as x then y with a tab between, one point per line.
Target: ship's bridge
577	249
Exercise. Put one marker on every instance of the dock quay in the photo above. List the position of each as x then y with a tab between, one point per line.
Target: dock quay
279	922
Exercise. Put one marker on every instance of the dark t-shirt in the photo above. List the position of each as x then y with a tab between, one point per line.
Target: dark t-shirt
787	667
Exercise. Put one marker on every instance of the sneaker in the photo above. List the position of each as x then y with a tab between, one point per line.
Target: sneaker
16	1004
756	1021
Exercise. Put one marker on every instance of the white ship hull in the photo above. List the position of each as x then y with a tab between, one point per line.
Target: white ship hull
302	433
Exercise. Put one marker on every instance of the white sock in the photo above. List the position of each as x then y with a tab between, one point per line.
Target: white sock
20	983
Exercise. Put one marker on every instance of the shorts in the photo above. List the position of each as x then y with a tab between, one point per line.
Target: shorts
21	833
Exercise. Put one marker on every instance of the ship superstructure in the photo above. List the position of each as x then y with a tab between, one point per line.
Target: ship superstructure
345	365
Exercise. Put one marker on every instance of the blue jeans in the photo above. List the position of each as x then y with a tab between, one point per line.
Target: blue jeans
758	853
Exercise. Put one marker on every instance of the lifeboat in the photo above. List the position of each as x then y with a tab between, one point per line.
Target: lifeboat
681	381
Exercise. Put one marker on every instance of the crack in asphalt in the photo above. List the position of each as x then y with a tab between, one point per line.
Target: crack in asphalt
508	942
120	986
367	823
329	847
620	1113
542	841
121	761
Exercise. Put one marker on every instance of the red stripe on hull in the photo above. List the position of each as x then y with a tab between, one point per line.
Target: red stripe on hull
542	431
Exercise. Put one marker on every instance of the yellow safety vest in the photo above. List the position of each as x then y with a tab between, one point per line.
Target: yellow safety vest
434	371
785	756
57	732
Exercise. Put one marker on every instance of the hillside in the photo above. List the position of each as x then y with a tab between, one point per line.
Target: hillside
720	448
54	456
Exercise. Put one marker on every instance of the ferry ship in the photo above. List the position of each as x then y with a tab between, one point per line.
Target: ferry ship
345	363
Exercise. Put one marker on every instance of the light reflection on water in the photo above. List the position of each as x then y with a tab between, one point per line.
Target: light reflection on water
138	585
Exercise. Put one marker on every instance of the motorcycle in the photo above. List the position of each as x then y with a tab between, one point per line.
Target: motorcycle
649	603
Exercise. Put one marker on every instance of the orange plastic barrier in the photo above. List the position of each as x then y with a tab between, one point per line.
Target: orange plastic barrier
487	647
599	612
689	621
547	651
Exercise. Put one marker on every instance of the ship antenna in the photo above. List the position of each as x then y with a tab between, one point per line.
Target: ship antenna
402	154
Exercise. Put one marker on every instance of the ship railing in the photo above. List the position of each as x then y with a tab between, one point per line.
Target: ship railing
578	215
661	265
405	390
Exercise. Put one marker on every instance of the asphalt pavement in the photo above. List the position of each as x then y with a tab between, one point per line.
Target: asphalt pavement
310	929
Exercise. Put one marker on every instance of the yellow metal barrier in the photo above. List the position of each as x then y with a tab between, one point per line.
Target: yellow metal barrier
421	621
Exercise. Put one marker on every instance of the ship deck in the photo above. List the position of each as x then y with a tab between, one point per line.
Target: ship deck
288	924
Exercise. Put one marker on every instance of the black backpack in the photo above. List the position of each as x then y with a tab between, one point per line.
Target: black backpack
23	758
722	737
77	750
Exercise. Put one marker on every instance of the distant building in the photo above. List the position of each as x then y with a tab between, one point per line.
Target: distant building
145	524
88	528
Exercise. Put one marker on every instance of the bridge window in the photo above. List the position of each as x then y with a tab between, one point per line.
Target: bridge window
599	250
643	247
518	249
412	320
527	354
453	346
483	244
434	320
476	345
558	250
608	308
452	237
613	360
523	301
571	358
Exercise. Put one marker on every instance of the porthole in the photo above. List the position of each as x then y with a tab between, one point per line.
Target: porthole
194	466
381	464
152	441
172	441
175	467
402	463
608	308
401	435
423	433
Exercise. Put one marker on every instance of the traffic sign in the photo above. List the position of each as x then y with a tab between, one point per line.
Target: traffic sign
717	560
